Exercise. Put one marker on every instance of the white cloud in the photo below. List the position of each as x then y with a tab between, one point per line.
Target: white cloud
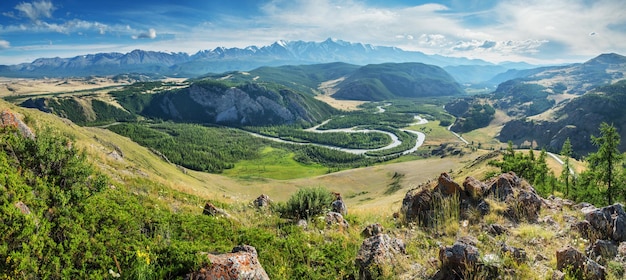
36	10
151	34
4	44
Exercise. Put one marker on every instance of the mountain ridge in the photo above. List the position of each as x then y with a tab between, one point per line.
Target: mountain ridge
222	59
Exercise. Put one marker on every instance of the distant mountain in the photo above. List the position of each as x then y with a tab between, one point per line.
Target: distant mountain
222	59
377	82
534	91
577	120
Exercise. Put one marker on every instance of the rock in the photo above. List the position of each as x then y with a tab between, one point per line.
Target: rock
457	259
212	210
608	223
372	230
496	229
262	201
483	207
447	186
584	228
579	264
10	119
502	186
339	206
558	275
529	206
518	254
417	206
242	263
334	218
473	187
539	257
378	251
302	223
22	207
621	249
602	250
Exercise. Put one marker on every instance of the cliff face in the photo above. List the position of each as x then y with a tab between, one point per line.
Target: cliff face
248	104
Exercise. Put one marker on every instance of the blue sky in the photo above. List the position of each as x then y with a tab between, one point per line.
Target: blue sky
538	31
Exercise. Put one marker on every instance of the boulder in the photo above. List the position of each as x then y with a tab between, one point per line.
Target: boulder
577	263
447	186
496	229
378	251
372	230
457	260
518	254
334	218
473	187
212	210
262	201
417	206
502	187
608	223
22	207
339	206
584	228
302	223
10	119
529	206
242	263
602	250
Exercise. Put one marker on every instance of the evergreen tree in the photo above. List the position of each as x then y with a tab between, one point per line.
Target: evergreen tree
607	158
566	151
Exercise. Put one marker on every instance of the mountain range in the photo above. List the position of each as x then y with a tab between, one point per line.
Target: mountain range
222	59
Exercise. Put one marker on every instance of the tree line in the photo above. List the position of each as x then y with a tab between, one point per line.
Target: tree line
602	183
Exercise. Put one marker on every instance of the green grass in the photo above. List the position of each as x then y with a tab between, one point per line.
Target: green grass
274	163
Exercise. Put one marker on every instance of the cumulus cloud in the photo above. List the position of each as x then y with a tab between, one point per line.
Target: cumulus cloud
4	44
36	10
151	34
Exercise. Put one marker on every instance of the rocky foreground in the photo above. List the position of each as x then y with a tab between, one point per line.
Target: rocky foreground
496	229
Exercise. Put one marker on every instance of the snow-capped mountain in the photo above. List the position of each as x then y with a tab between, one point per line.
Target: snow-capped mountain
223	59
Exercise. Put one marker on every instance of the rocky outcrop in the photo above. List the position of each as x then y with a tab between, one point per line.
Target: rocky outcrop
608	223
242	264
372	230
262	201
577	263
458	260
334	218
212	210
447	186
339	206
22	207
523	203
11	119
378	251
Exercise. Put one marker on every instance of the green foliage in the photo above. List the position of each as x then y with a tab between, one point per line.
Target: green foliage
193	146
605	162
306	203
527	166
566	151
78	109
477	116
361	140
363	118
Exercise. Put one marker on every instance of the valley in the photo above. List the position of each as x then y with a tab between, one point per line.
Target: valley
178	166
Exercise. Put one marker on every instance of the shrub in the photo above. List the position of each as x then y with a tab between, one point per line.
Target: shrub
306	203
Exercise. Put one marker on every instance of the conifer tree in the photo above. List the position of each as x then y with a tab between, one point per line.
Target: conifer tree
566	151
607	158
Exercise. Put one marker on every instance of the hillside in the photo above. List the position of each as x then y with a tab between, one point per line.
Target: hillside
202	101
577	120
536	90
390	80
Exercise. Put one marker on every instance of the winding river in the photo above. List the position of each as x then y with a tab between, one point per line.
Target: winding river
394	143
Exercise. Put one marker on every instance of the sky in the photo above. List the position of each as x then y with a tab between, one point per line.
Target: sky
534	31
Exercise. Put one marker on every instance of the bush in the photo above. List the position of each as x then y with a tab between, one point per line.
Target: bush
306	203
